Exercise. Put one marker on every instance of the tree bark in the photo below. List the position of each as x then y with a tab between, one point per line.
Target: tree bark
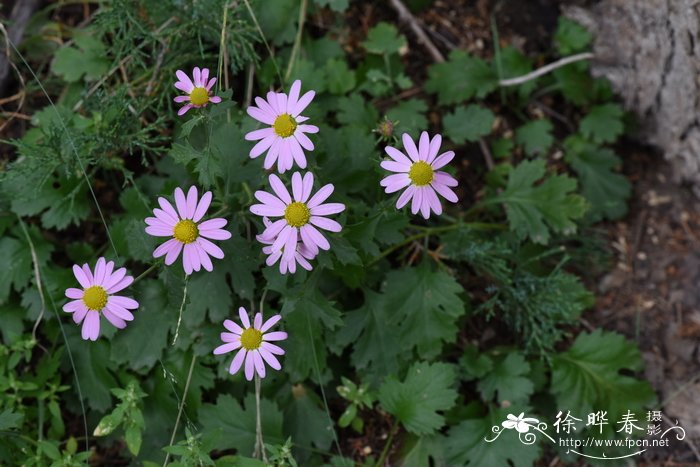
650	52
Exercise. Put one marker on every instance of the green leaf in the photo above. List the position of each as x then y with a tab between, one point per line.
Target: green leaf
238	422
340	78
10	419
461	78
92	363
474	364
603	124
384	38
409	116
466	445
415	401
587	377
468	123
87	58
571	37
535	137
606	191
306	421
355	110
133	439
142	342
278	23
508	379
335	5
374	348
417	452
502	147
308	317
534	210
515	64
426	306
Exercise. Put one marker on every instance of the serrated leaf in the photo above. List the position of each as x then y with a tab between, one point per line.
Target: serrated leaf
515	64
142	342
238	422
409	116
384	38
460	78
465	444
416	401
306	421
587	376
474	364
427	306
374	348
570	37
339	77
507	381
603	124
534	210
87	58
354	110
468	123
535	137
606	191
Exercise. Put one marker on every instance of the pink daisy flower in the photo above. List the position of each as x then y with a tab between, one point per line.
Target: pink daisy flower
419	172
285	139
253	342
198	90
300	215
188	234
302	255
97	297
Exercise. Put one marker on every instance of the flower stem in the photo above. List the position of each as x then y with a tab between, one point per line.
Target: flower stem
427	231
259	452
182	406
146	272
297	40
182	305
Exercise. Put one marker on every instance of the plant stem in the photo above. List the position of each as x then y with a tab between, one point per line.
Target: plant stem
297	40
182	405
146	272
427	231
385	451
182	305
259	452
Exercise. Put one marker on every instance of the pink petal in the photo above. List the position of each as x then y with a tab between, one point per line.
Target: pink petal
270	322
233	327
213	224
270	359
91	326
327	209
169	210
442	160
74	293
249	366
397	155
279	189
121	285
406	196
410	147
181	203
424	146
226	348
182	76
80	275
259	365
275	336
202	206
237	361
302	103
124	302
320	196
243	315
216	234
114	319
210	248
326	224
191	202
434	148
183	110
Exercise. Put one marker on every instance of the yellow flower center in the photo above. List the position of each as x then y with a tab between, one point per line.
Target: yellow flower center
95	297
421	173
297	214
251	339
199	96
186	231
284	125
